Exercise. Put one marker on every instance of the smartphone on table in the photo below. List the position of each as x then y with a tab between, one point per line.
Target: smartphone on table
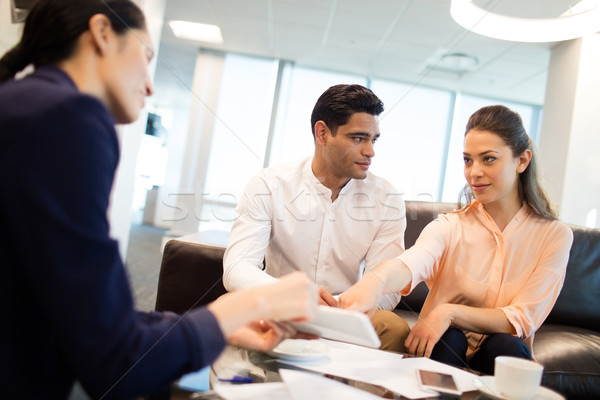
437	381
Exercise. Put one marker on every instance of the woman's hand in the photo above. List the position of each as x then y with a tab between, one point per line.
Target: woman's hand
363	296
292	298
326	299
428	331
387	277
261	335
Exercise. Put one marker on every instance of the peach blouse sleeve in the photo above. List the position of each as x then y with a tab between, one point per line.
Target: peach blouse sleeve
532	304
423	258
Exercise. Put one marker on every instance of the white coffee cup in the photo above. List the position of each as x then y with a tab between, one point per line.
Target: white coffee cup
517	378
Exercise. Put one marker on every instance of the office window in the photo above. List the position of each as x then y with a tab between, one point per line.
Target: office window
465	106
241	129
419	152
411	151
217	216
300	89
239	137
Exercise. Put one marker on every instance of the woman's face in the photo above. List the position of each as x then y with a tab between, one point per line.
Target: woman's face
125	75
491	170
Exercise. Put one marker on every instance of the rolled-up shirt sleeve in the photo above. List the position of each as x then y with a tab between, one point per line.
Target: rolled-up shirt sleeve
535	300
249	239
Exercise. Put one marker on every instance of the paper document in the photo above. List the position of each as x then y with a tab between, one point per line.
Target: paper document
296	385
308	385
253	391
382	368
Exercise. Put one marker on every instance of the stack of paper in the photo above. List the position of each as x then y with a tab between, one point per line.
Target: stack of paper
389	370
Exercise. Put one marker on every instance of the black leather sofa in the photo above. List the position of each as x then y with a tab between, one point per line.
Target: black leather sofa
567	344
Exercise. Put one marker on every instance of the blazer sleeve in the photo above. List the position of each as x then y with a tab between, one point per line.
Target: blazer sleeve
76	270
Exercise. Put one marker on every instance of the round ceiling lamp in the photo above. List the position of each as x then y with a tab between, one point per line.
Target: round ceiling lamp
574	25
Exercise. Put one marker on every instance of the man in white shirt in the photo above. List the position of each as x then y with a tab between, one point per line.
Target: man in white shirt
325	215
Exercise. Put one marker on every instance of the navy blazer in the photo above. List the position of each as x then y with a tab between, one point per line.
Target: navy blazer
67	308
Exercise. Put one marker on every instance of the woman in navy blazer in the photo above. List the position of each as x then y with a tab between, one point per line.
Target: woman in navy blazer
68	312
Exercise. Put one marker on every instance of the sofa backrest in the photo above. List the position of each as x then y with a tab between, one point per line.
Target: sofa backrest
419	214
579	301
191	273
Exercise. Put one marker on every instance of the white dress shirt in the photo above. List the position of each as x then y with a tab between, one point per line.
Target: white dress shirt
286	218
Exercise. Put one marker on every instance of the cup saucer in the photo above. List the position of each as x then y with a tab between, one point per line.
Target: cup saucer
300	350
487	385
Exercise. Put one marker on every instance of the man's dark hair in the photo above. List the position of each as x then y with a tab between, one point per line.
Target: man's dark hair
337	104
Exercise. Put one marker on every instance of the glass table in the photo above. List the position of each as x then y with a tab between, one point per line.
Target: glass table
260	367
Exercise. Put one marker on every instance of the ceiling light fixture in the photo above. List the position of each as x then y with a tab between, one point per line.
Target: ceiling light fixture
197	32
457	62
579	21
444	61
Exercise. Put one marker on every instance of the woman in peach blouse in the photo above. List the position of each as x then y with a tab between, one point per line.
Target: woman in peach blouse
494	268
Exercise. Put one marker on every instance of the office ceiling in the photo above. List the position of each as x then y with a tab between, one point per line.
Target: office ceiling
402	40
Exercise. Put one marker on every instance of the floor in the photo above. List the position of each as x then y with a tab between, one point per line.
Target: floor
144	255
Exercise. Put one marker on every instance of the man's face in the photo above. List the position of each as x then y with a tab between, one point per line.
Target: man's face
348	154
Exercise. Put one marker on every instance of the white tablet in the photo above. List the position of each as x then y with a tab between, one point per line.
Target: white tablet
342	325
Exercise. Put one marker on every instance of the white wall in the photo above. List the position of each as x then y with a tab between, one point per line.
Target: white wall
570	133
581	192
130	137
9	33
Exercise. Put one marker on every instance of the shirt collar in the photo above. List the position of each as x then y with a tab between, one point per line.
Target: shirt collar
521	215
310	177
473	205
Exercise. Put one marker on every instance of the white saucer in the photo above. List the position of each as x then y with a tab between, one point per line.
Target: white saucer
300	350
487	385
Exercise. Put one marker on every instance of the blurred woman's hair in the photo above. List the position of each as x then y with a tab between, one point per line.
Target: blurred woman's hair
52	28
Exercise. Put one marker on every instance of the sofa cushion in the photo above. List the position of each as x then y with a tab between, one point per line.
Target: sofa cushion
567	348
571	360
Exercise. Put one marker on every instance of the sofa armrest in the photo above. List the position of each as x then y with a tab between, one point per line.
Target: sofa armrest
191	275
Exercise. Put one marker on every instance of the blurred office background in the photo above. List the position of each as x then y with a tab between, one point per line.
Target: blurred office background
229	109
222	111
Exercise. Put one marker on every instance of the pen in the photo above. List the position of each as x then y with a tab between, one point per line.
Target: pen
237	379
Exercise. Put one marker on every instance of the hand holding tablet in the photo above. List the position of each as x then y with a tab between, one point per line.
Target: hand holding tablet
341	325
